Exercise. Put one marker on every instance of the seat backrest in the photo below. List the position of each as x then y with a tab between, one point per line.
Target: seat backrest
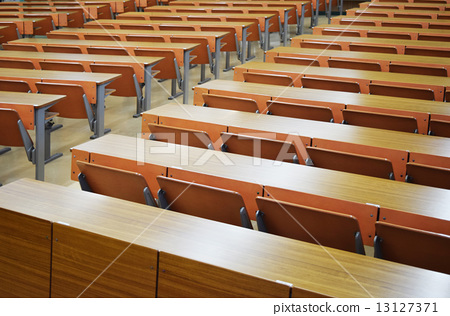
356	22
230	103
61	66
203	201
62	49
9	129
201	52
354	64
136	27
145	38
204	18
20	64
19	47
373	48
136	17
168	27
423	51
191	10
14	86
439	127
374	14
330	84
438	26
313	225
227	10
168	67
259	147
73	105
402	92
99	26
229	41
302	111
102	37
401	24
392	122
274	79
353	163
428	175
418	70
388	35
296	61
166	18
411	246
180	136
125	85
321	45
340	33
62	36
114	182
117	51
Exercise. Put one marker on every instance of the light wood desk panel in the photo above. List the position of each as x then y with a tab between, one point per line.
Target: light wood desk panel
263	256
427	14
363	77
60	18
336	100
384	21
405	6
26	26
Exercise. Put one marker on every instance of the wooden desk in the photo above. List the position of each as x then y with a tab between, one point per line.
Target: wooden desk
117	224
240	27
181	50
93	84
263	19
301	7
345	41
117	6
393	13
413	1
355	194
420	109
383	59
213	38
283	14
142	66
31	108
26	26
363	77
383	21
413	32
395	146
92	11
59	18
405	6
8	32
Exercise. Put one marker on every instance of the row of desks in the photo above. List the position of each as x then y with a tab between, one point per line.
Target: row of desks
91	11
389	22
184	256
60	18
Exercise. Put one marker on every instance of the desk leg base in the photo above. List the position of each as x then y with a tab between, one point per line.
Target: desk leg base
205	80
107	130
4	150
137	115
53	157
176	95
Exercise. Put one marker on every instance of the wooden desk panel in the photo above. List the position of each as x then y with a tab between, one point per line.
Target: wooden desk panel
8	32
306	266
60	18
26	26
345	41
423	23
444	15
85	264
437	84
25	255
406	6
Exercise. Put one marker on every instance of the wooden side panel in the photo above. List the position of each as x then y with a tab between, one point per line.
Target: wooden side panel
302	293
437	161
77	155
248	191
198	92
366	214
25	255
432	224
259	98
91	265
26	113
182	277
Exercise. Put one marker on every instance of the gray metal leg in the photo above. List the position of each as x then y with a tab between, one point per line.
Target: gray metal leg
186	77
244	44
227	62
99	129
329	11
217	60
286	28
39	120
266	35
147	87
302	21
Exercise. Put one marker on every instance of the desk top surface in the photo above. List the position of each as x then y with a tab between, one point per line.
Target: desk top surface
324	270
396	195
138	32
92	43
362	55
246	15
372	40
383	28
406	4
148	22
347	98
284	7
21	19
80	57
386	19
34	99
406	11
349	73
98	78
